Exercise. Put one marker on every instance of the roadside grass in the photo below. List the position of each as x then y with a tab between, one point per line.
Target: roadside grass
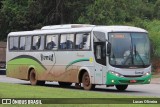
8	90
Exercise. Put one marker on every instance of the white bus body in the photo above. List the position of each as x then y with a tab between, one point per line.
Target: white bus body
87	54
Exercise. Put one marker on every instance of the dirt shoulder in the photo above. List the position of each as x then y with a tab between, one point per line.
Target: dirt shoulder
155	81
155	78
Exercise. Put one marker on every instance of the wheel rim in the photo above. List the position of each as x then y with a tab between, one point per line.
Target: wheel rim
86	80
33	78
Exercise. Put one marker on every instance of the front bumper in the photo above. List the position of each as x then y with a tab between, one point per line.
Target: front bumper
115	80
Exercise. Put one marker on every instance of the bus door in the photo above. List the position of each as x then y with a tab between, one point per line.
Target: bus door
100	63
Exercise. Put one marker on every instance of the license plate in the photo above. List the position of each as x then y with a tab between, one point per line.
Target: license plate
133	81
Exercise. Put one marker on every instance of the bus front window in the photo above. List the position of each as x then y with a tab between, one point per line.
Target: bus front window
129	50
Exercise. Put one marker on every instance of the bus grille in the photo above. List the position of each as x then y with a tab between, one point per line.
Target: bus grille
128	81
132	76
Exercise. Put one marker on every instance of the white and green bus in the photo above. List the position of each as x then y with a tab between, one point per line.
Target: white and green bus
82	54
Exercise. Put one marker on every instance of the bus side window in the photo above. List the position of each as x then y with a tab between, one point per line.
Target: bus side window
63	41
22	43
52	42
70	41
36	42
83	41
67	41
79	41
41	43
86	41
98	52
13	41
28	43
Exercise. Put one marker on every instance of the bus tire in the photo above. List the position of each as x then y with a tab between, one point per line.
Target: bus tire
86	82
121	87
64	84
33	80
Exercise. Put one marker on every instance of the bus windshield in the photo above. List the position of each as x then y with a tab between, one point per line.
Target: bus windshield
129	50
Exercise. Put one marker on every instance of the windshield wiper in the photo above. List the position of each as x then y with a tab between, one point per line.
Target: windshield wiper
137	53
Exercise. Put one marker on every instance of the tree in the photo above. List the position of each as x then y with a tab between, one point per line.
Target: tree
117	11
157	9
65	11
0	4
100	12
16	15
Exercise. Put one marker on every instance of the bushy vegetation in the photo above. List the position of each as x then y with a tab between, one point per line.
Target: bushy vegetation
154	32
18	15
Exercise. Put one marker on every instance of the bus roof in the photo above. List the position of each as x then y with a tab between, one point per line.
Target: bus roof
73	28
66	26
40	32
118	28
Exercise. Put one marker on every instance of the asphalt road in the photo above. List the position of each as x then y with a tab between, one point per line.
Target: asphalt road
150	90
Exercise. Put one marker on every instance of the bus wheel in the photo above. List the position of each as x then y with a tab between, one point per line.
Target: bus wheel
64	84
121	87
86	82
33	80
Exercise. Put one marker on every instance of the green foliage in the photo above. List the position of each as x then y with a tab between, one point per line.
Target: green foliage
14	13
12	16
98	13
157	9
18	15
154	32
117	11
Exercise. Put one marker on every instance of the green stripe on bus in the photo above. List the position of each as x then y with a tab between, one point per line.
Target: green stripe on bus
78	60
26	60
111	79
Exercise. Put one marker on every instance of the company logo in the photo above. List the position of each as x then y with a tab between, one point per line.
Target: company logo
139	72
21	101
6	101
46	57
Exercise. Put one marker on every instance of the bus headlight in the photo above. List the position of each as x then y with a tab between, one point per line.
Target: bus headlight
116	73
147	73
